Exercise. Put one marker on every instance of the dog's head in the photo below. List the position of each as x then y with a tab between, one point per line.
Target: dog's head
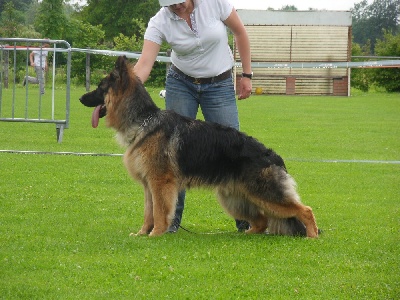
112	83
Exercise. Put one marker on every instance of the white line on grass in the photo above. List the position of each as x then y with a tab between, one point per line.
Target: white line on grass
359	161
364	161
59	153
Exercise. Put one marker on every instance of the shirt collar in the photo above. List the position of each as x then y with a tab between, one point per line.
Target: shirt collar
173	16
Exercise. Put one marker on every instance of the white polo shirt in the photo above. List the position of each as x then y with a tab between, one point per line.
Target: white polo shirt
203	51
39	58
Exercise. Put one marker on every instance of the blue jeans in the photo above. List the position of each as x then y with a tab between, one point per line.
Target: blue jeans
216	100
39	79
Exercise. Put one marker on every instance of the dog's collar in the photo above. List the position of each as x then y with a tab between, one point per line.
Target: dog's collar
145	122
141	127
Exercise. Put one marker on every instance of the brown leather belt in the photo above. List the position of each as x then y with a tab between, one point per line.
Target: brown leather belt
220	77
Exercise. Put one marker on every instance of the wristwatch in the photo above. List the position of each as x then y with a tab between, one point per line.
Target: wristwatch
250	76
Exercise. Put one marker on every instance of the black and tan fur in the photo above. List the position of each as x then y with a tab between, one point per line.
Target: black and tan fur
167	152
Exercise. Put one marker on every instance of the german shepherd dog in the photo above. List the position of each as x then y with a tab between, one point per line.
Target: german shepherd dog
167	152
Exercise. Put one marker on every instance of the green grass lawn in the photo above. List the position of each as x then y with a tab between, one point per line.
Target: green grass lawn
65	220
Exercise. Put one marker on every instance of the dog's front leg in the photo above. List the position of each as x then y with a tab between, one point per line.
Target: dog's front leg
165	195
148	223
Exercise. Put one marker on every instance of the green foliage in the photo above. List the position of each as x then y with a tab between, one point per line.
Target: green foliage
84	35
31	12
120	17
133	43
65	219
289	8
12	25
370	20
51	20
11	21
360	77
20	5
389	78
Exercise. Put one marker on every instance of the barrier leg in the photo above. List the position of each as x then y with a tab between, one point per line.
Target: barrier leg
60	132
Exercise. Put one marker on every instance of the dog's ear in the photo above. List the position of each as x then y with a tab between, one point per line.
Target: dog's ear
121	65
121	72
114	74
119	62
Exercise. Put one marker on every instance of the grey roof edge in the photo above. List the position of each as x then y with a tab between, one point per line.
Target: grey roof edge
293	18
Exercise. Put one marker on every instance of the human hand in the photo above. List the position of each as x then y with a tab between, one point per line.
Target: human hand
245	87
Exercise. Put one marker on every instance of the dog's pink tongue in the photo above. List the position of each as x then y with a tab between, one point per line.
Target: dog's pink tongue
96	116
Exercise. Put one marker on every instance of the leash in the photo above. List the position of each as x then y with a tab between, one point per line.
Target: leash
320	231
187	230
242	226
204	233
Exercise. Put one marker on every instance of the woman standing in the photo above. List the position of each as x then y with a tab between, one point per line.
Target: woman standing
202	62
38	60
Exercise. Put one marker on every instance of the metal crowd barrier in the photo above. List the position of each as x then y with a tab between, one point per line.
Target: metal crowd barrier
11	97
25	103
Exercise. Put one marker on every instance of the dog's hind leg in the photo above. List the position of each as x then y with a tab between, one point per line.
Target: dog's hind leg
148	223
290	226
240	208
277	198
297	210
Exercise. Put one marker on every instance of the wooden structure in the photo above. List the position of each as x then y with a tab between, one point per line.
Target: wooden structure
278	38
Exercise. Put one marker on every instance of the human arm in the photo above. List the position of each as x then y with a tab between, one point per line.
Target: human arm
243	44
32	59
46	64
146	60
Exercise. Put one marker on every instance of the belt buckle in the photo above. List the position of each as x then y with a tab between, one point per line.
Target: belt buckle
196	81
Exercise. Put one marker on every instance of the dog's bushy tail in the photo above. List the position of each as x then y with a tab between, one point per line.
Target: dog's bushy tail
290	226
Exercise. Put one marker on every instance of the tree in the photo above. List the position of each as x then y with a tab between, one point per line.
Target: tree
20	5
84	35
12	25
370	20
31	13
361	78
289	8
133	43
389	78
51	20
124	23
10	21
120	17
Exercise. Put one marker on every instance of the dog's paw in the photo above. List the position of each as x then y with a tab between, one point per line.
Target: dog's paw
155	233
140	233
312	233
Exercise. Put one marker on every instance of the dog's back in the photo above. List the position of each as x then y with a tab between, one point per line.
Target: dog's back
218	153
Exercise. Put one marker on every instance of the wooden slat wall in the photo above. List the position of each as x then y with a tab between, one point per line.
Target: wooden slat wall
269	43
319	43
297	44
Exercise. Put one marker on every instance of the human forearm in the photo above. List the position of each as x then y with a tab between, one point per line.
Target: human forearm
31	59
146	61
241	38
243	46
